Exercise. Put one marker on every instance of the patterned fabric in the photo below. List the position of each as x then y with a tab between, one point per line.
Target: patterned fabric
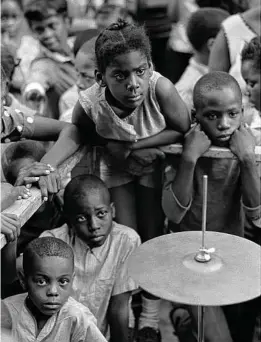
225	207
191	75
100	273
15	125
73	323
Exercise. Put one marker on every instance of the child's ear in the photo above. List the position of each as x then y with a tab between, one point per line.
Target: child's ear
113	211
99	78
21	278
210	43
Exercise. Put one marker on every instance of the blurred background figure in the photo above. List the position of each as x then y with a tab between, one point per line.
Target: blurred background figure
16	34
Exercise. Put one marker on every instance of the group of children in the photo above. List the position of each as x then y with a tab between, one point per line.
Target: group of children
75	275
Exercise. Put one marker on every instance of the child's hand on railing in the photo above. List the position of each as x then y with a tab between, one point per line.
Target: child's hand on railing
10	226
46	177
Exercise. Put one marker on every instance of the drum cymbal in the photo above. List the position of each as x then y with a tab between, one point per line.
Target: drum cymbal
166	267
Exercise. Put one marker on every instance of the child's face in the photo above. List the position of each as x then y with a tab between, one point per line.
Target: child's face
91	218
127	78
220	115
252	78
85	68
52	32
49	283
11	17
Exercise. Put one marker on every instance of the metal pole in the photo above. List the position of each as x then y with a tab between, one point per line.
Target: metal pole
201	311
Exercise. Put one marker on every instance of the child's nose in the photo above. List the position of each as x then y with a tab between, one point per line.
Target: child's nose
52	290
133	84
224	123
94	223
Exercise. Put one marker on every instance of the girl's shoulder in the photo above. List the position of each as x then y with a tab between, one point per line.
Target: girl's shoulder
91	96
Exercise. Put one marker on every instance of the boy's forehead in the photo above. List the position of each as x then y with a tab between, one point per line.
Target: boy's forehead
223	96
91	198
51	265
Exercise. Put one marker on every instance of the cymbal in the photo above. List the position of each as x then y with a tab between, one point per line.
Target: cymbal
166	267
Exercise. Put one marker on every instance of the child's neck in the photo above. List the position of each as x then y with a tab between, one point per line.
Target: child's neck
201	58
119	109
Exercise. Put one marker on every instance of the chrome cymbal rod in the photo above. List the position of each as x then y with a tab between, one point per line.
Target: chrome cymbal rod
204	254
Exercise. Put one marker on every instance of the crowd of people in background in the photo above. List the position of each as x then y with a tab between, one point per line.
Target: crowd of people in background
123	77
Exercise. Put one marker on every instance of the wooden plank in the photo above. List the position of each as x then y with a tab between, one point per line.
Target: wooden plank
25	208
213	152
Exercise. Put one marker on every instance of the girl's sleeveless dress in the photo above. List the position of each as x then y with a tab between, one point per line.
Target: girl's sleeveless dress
145	121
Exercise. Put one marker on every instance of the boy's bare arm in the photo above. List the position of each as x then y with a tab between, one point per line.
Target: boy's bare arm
177	195
118	315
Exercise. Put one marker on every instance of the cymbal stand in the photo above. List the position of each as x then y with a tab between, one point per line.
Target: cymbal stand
203	256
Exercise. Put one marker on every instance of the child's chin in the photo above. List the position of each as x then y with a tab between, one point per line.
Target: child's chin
220	143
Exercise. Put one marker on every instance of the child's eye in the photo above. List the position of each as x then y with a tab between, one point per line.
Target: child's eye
101	214
40	282
211	116
233	114
80	218
119	77
140	72
64	281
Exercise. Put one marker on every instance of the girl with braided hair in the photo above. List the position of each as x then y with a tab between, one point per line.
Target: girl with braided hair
133	110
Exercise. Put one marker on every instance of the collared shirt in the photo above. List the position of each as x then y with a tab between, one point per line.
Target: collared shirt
73	323
51	73
225	209
15	125
189	78
101	272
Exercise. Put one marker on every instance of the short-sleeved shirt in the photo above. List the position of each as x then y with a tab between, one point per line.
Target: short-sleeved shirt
73	323
225	210
101	272
15	125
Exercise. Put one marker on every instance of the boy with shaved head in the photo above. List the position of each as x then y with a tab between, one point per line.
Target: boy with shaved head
233	185
47	312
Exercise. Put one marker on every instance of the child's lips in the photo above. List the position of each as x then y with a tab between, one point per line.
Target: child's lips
134	98
52	306
97	238
224	137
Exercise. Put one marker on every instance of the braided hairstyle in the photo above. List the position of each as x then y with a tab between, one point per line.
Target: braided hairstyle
120	38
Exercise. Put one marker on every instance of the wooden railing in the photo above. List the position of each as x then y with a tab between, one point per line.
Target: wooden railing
24	209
